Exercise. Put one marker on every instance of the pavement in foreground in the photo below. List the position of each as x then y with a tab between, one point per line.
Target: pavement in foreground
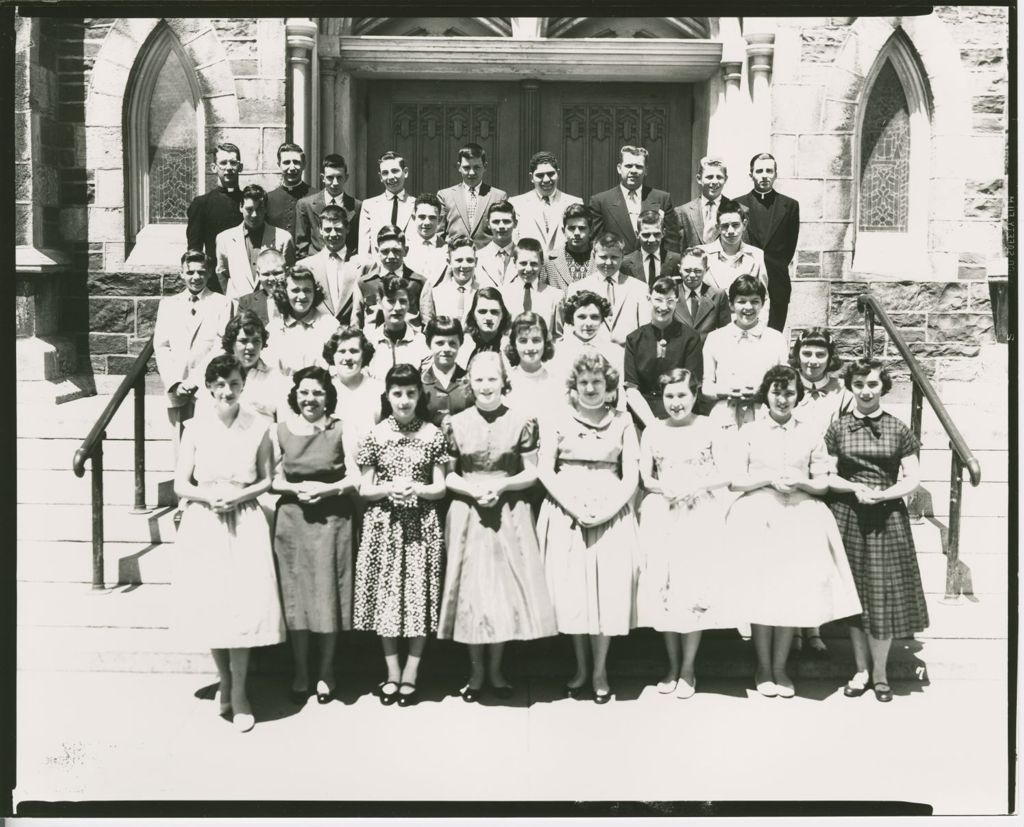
126	736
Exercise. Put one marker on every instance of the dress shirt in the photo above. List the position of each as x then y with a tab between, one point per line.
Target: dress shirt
545	299
411	348
724	269
736	358
298	343
648	260
446	298
709	211
633	200
337	200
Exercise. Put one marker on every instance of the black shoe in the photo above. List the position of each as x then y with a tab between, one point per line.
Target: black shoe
471	695
387	698
602	697
883	692
324	697
408	698
504	692
298	696
575	692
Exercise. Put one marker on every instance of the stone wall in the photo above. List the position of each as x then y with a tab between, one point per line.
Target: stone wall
240	68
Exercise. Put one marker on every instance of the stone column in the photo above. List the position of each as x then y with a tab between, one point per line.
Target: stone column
726	140
300	35
344	135
328	82
760	51
529	123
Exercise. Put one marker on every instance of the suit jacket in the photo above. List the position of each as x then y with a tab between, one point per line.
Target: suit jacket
442	402
430	261
632	306
308	240
281	206
556	272
691	224
236	272
370	282
256	302
375	212
489	267
456	218
347	308
612	216
442	299
209	215
777	239
633	265
713	310
530	217
183	342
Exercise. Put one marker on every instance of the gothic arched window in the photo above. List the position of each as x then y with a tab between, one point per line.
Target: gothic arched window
885	156
164	137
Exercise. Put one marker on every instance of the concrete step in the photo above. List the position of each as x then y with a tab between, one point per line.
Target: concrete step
722	654
63	487
935	465
978	535
75	419
70	561
118	454
38	521
989	499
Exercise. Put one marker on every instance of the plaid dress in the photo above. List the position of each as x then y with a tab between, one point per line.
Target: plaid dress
877	537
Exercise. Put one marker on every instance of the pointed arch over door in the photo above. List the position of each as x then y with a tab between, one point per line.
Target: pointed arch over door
891	169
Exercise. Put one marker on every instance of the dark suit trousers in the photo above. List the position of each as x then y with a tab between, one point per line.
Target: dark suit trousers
779	291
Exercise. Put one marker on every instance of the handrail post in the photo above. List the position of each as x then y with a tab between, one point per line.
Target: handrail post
954	586
869	331
97	514
915	504
139	439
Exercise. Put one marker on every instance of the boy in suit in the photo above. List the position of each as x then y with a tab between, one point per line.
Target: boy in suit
238	247
291	160
217	210
428	254
389	261
495	261
629	297
453	293
523	291
466	204
575	261
540	210
186	336
774	226
392	208
651	261
618	209
333	176
270	273
729	256
698	218
701	306
339	279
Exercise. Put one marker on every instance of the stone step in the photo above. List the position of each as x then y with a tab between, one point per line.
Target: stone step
978	535
722	654
38	521
989	499
935	465
70	561
118	454
75	419
63	487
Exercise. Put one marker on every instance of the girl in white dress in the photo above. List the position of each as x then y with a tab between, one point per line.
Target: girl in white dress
348	353
528	350
685	580
225	584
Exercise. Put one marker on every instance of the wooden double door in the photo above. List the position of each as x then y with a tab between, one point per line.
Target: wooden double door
583	124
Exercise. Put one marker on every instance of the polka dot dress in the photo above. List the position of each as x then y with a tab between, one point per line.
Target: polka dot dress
398	570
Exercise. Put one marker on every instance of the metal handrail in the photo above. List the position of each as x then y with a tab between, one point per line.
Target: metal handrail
963	458
92	449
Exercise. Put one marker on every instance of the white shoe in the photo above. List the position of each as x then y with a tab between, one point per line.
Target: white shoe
768	689
686	690
244	721
667	687
784	691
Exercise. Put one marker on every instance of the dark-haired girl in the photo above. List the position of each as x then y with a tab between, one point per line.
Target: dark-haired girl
793	568
876	467
398	570
684	581
313	530
225	582
528	350
486	325
348	353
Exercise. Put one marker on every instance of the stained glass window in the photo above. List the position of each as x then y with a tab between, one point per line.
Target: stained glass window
885	156
172	144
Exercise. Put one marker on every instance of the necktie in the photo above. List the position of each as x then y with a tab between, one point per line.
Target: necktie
332	282
527	297
394	209
332	203
693	305
544	212
471	205
503	256
461	305
651	275
192	300
610	282
710	222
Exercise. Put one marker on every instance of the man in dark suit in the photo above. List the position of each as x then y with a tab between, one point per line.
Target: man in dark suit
270	272
617	210
698	219
291	160
773	224
389	260
701	306
333	176
651	261
217	210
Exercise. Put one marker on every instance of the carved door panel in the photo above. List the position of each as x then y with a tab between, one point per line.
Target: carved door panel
585	125
427	122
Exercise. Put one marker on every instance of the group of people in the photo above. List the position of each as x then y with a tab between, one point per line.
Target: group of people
521	446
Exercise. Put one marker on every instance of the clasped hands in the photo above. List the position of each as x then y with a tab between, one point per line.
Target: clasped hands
403	492
485	494
868	496
311	492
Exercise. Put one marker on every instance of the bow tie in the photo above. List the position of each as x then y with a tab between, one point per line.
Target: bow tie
872	424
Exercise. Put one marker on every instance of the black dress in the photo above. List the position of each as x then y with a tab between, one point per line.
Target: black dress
877	537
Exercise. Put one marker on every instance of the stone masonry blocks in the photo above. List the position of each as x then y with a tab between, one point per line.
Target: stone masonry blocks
824	156
798	108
